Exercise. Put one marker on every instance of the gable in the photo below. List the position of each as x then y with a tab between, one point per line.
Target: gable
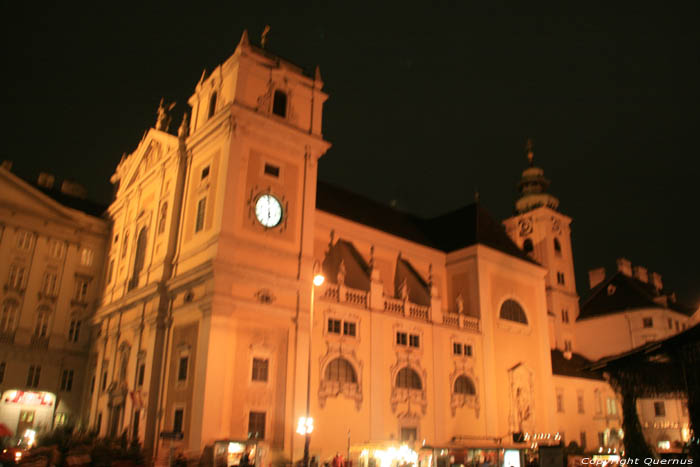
155	146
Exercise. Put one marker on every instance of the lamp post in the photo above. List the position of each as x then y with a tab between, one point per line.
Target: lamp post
306	424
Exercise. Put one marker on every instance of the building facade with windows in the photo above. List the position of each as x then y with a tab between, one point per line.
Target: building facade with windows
51	264
210	325
209	322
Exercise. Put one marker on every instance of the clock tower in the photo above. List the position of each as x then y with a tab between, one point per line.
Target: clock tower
545	234
243	267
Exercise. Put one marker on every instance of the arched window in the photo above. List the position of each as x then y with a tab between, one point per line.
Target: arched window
464	385
163	217
512	311
340	370
8	316
409	379
139	258
212	105
557	246
527	245
42	323
279	103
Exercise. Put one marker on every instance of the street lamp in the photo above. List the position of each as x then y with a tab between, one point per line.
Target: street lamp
306	424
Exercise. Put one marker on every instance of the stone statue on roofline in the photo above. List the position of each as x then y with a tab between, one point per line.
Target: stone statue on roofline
459	302
341	273
164	118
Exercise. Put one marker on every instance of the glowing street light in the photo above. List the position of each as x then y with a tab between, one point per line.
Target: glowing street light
306	424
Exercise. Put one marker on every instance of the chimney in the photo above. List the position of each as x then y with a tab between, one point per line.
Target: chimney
624	266
640	273
73	189
7	165
46	180
656	281
596	276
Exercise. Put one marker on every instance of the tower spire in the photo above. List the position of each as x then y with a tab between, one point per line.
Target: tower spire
529	147
532	187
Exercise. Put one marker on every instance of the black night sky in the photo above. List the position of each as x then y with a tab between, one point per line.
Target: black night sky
428	104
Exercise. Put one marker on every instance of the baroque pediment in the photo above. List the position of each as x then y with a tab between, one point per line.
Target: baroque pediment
151	151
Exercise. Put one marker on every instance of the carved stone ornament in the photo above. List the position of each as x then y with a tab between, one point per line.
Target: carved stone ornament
522	398
525	226
458	401
556	225
265	296
409	400
327	388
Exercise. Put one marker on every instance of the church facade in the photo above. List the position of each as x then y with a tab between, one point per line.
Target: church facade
430	331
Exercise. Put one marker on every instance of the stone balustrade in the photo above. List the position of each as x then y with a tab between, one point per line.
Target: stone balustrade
363	299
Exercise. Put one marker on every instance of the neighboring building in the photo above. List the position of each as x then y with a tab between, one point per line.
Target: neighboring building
625	311
51	266
622	312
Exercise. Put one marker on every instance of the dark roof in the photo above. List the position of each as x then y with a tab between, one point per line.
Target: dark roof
627	293
576	366
84	205
458	229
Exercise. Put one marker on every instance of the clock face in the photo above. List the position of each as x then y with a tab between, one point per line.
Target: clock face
268	211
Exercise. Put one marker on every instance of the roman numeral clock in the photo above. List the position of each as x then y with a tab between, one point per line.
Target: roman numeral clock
268	210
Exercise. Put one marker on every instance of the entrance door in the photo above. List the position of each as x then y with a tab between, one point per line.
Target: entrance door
115	421
26	421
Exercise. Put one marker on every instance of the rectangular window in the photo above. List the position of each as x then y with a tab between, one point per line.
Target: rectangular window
670	323
334	326
260	367
86	256
401	338
98	423
178	418
74	330
24	240
567	346
141	374
272	170
564	316
601	439
61	419
583	440
457	348
560	278
81	290
560	401
33	376
201	208
48	287
414	341
3	365
182	368
467	350
67	380
580	403
56	249
611	406
205	172
16	278
110	271
648	323
137	420
103	383
659	409
349	328
256	425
